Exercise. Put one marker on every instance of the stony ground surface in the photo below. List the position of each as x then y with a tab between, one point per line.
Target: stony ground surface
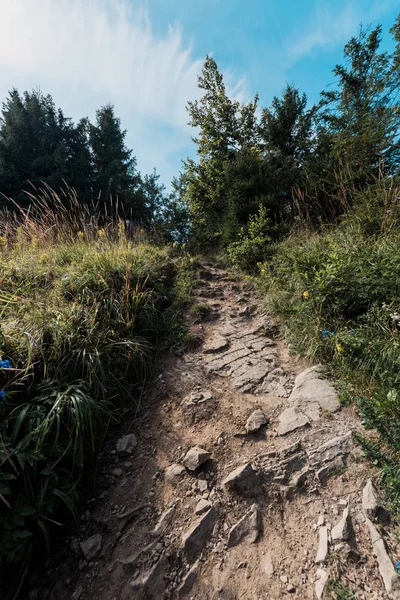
238	479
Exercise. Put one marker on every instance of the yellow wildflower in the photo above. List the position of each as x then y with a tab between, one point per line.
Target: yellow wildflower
43	258
3	240
339	347
80	234
306	294
101	233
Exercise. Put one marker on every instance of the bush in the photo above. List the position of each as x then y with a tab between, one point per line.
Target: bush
253	245
82	308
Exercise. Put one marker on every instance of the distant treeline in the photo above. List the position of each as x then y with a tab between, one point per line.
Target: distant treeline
40	147
291	160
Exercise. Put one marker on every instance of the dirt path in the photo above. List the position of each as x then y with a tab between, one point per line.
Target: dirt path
249	521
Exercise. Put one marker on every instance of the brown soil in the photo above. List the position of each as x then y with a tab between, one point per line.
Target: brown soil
231	369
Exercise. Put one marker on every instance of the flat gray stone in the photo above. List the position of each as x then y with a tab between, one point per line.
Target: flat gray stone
321	581
256	420
153	583
195	457
343	529
385	565
194	540
92	546
246	529
322	553
290	420
126	444
268	565
215	345
334	447
243	478
174	472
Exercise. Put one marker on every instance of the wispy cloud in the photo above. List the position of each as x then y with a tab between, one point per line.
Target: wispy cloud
327	29
89	52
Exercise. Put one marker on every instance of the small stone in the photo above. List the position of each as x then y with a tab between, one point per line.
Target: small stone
194	540
202	485
77	593
321	521
195	457
322	553
256	420
202	506
247	528
284	578
322	579
117	472
92	546
290	588
243	478
174	472
126	444
343	529
268	565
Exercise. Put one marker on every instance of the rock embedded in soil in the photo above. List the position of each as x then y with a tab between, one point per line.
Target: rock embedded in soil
322	579
372	504
194	540
313	394
268	565
256	420
130	564
92	546
174	472
385	565
335	466
202	506
290	420
322	553
247	529
164	521
152	583
188	581
126	445
243	478
343	529
195	457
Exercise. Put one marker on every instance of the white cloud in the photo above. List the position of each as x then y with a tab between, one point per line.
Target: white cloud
90	52
327	29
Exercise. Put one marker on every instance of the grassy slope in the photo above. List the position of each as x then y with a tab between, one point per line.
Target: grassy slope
81	310
337	293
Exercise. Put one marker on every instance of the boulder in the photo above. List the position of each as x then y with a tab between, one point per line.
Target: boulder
246	529
194	540
256	420
126	444
244	478
195	457
313	394
92	546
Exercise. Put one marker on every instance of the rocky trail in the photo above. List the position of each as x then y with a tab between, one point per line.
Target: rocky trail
239	479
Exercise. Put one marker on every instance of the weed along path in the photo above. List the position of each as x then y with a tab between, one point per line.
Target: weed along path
239	479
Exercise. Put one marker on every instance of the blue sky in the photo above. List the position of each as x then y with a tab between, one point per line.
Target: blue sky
144	56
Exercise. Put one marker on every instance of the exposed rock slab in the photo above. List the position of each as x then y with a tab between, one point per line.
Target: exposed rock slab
126	445
92	546
343	529
339	445
194	540
189	580
322	579
164	521
334	466
152	583
290	420
195	457
247	529
256	420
